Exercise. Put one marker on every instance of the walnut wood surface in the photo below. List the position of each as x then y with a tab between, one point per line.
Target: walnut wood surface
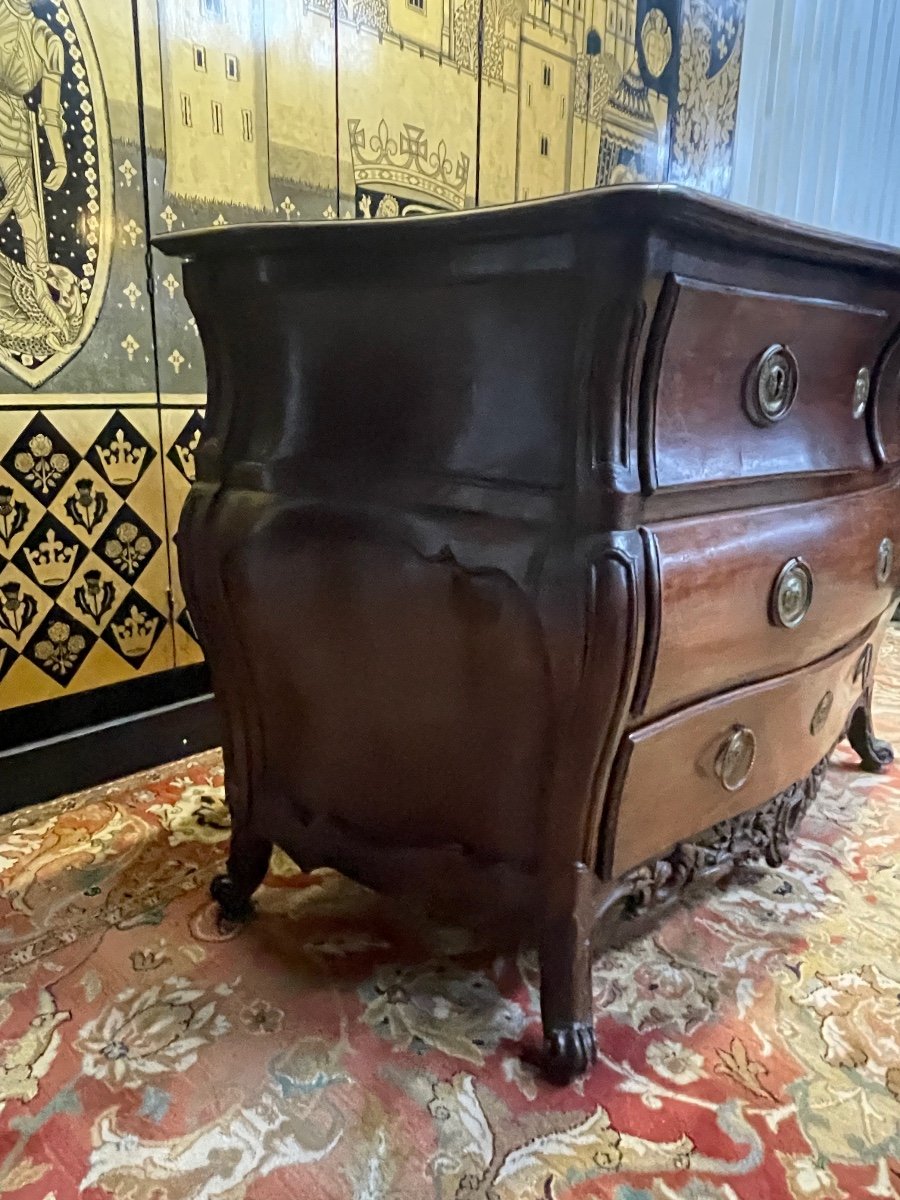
731	638
479	498
675	758
714	336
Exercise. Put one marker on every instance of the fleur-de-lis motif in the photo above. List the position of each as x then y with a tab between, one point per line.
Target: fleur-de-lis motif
86	507
13	516
17	610
39	464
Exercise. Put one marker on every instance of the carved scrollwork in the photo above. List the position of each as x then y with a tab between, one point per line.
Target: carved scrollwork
764	832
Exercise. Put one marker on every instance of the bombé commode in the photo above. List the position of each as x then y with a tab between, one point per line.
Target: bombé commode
541	555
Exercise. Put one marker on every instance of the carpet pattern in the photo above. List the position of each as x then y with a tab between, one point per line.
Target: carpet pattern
341	1047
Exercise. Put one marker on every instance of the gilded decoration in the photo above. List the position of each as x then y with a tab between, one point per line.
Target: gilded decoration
235	119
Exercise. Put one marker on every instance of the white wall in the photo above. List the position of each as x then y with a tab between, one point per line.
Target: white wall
818	124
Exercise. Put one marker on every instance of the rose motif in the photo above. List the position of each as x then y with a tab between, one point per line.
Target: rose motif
388	207
59	462
674	1061
23	462
41	446
261	1017
58	632
127	532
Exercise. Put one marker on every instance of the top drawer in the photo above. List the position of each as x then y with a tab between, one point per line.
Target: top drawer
725	409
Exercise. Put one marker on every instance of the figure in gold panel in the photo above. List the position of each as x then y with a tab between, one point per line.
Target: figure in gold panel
50	208
32	57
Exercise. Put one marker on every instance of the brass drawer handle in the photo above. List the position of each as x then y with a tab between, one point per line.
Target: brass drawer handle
820	716
860	392
884	565
772	387
791	594
735	758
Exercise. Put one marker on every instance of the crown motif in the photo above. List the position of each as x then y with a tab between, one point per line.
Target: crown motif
52	562
121	461
135	633
390	164
186	455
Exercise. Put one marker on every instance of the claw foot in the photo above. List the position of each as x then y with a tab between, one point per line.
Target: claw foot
874	754
569	1051
879	755
235	906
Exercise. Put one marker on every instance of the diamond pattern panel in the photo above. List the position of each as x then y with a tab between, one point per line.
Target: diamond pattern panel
84	571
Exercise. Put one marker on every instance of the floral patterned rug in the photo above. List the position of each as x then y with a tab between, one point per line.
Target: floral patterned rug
340	1048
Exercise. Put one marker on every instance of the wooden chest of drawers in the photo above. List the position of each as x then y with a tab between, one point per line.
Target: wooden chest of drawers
541	555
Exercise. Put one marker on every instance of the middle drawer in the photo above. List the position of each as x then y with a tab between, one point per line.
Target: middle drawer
749	595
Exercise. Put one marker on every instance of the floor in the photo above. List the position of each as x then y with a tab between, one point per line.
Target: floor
339	1047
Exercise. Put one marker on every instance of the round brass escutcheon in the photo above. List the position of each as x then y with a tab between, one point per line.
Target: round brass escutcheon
860	392
885	562
791	593
772	387
820	716
735	758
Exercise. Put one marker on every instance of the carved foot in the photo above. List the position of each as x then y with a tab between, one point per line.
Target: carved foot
235	903
874	754
569	1051
567	1001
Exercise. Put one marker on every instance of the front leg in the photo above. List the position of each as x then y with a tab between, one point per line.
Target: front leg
567	999
248	862
874	753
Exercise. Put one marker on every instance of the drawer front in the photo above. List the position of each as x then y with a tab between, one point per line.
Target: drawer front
724	410
673	787
733	600
677	781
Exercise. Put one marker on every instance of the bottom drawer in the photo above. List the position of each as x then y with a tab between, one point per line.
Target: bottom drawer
725	756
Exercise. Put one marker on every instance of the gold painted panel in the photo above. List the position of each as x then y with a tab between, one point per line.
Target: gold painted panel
239	111
75	320
579	93
259	110
407	106
84	576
